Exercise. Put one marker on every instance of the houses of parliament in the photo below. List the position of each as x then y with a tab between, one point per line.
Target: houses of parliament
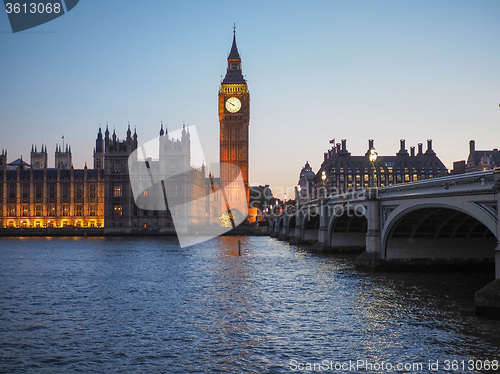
34	195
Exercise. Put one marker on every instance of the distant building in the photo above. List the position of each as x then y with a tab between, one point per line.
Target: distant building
306	181
479	160
345	172
261	198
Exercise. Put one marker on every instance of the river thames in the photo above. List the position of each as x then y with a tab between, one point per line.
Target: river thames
145	305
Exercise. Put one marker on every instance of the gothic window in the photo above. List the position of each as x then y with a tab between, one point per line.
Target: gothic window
52	210
38	191
52	191
93	210
92	192
79	191
79	210
26	191
65	210
65	191
25	210
38	210
12	191
117	190
117	210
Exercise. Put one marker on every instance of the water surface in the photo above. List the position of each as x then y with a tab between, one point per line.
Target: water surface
145	305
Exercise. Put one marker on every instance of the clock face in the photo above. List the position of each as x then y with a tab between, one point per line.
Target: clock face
233	104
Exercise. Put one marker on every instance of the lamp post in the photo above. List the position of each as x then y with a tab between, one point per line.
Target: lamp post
372	157
323	178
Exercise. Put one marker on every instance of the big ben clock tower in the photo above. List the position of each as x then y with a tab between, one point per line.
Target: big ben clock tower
234	118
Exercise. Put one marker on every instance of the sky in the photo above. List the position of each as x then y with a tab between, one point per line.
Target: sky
316	70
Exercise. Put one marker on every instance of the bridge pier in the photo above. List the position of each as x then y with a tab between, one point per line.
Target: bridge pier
283	232
487	299
372	259
296	235
323	237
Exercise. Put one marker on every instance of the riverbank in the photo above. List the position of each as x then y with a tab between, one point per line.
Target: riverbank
81	231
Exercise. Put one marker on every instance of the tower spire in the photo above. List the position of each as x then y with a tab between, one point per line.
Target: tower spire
233	73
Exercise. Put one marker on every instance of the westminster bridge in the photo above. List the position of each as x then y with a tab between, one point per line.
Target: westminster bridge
440	221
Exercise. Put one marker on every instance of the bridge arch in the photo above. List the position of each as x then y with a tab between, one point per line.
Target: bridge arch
310	225
439	231
347	228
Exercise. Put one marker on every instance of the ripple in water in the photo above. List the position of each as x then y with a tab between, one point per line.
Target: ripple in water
145	305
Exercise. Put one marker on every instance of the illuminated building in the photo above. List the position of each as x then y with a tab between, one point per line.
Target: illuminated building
35	196
345	172
480	160
234	119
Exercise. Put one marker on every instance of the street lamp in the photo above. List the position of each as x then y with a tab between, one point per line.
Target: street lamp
323	178
372	157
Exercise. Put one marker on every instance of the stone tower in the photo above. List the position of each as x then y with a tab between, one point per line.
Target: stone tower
234	119
38	159
63	159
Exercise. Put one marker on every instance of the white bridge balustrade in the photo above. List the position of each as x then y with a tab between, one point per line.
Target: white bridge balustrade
440	221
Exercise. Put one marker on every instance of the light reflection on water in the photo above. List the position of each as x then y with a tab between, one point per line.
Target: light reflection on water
145	305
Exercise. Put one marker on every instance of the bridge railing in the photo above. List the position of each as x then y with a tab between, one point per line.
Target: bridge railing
480	180
475	181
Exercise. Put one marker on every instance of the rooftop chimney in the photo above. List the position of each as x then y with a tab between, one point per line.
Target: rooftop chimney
402	145
420	150
472	146
370	143
412	151
344	142
429	144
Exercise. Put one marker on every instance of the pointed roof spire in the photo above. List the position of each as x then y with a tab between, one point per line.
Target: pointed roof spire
234	55
161	129
233	73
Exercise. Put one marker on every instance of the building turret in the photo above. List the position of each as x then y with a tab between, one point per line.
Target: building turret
3	159
135	139
38	159
99	151
63	158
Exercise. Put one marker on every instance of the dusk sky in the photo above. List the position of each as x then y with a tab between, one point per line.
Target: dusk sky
316	70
